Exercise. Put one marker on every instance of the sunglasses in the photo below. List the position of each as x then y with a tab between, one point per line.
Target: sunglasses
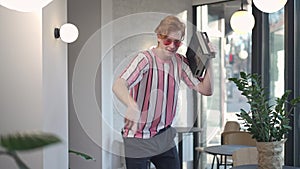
168	41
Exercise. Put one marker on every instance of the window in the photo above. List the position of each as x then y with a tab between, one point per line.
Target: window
276	61
234	56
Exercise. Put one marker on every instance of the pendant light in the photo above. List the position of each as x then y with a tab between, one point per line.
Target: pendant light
269	6
24	5
242	21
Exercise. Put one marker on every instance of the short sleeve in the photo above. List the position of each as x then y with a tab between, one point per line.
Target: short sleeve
133	73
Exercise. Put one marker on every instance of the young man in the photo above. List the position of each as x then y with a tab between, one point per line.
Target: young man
149	88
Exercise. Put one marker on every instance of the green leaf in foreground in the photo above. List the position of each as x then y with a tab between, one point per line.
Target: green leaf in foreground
27	141
83	155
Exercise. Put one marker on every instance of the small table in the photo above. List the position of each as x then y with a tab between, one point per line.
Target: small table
254	166
223	150
180	132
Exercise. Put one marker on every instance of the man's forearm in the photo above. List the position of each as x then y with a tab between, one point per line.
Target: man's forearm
206	87
120	89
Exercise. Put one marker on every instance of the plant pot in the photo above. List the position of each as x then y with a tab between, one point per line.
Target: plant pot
270	154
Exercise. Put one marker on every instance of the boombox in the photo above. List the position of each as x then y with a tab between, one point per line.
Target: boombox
198	53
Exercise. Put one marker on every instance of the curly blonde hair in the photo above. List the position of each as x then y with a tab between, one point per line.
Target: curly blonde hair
170	24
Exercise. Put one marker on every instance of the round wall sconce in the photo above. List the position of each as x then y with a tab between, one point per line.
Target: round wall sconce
242	21
24	5
67	33
269	6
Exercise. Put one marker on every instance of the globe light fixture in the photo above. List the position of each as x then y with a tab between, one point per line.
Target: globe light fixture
24	5
242	21
67	33
269	6
243	54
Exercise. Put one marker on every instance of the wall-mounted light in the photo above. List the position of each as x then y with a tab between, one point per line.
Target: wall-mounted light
67	33
269	6
242	21
24	5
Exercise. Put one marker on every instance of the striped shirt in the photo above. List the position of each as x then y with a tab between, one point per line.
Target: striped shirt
154	85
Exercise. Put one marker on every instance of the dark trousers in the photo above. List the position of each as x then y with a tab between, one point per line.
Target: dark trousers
166	160
160	150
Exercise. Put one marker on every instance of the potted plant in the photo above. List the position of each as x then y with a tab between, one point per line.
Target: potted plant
267	121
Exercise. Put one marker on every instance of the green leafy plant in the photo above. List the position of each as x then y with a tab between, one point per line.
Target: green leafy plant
266	121
82	155
12	143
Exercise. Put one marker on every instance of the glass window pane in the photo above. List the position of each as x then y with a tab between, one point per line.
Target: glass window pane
234	56
276	73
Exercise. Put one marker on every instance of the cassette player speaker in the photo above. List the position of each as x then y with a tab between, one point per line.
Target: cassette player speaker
198	53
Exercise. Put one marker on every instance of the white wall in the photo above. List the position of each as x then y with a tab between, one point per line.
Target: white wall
33	82
21	77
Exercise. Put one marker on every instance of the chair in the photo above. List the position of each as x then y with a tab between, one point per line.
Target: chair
245	156
200	150
238	138
232	126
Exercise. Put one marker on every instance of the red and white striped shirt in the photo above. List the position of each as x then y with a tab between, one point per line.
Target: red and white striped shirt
154	85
